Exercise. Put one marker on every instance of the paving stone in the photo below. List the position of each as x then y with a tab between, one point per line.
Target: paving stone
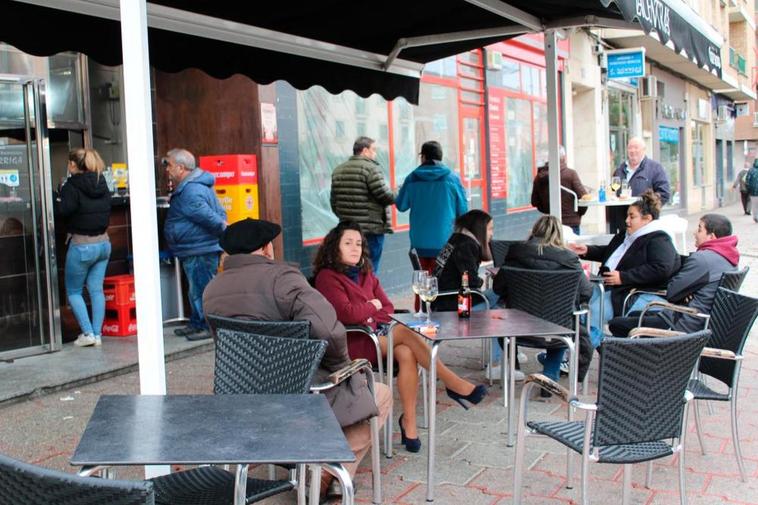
446	494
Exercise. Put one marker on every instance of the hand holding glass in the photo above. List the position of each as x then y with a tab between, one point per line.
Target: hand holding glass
615	183
416	285
429	291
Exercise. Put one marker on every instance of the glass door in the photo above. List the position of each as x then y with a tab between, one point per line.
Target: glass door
472	173
29	314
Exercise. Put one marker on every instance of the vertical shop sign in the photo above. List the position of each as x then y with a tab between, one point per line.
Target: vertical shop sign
498	175
268	123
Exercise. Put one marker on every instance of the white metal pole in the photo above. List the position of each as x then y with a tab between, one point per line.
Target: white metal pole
553	119
139	136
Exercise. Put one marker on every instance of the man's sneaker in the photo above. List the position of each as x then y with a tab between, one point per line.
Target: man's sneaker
522	357
564	364
493	373
98	340
198	335
85	340
187	330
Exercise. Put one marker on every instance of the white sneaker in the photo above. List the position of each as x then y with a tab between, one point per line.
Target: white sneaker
493	373
522	357
98	340
85	340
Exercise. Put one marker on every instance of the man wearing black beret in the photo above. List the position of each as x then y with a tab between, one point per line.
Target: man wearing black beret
253	285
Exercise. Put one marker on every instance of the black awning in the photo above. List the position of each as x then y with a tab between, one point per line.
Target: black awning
373	27
672	22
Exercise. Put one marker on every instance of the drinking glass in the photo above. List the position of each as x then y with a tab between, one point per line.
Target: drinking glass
416	285
429	293
625	189
615	183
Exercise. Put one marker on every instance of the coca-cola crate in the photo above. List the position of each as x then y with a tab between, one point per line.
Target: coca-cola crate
120	321
118	290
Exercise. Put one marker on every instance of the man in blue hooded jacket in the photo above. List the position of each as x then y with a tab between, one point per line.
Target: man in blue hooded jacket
193	226
435	196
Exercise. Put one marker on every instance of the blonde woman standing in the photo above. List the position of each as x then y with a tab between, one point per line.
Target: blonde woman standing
85	203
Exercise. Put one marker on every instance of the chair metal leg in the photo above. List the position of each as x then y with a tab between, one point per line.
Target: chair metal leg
346	483
390	378
626	495
376	475
424	399
649	475
300	477
271	472
313	496
698	430
735	435
518	462
240	485
682	485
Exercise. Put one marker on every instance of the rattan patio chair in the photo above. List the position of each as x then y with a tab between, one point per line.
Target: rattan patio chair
246	366
25	484
732	319
499	250
640	413
287	329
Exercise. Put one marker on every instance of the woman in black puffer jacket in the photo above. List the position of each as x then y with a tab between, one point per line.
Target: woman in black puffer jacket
85	203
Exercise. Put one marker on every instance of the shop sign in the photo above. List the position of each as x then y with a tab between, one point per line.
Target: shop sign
625	63
269	128
668	134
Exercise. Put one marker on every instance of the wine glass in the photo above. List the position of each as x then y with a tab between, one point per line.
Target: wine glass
615	183
429	293
416	285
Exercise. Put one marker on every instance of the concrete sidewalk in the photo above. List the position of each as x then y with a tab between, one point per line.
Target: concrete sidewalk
474	465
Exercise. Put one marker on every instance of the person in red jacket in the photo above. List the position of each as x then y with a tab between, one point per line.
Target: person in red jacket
344	277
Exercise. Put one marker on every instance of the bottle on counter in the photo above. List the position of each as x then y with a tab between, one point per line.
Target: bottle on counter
464	298
601	192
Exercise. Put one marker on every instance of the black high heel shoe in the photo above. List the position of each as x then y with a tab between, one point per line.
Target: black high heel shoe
411	444
476	396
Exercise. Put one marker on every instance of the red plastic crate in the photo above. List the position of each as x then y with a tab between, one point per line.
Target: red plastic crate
120	321
230	169
118	290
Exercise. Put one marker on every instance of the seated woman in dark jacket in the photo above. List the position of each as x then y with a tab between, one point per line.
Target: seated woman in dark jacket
344	277
545	250
464	251
641	257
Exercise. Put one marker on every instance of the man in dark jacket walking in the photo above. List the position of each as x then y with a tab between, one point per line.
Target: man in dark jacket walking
696	282
569	179
194	223
751	181
360	194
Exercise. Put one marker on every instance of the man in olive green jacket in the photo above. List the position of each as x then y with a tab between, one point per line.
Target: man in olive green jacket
360	194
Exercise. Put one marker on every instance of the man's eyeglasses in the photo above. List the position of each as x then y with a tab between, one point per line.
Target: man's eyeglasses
164	163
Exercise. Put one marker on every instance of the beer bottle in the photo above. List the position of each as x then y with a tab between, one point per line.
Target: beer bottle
464	298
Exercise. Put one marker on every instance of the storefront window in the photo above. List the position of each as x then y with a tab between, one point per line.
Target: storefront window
519	149
541	148
698	157
61	75
445	67
510	75
668	139
327	127
435	118
619	123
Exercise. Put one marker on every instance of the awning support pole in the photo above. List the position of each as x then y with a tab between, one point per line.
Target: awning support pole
553	122
142	204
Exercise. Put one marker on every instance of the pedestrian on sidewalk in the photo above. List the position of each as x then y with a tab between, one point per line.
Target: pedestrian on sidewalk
751	181
360	194
569	179
740	182
194	223
436	198
85	203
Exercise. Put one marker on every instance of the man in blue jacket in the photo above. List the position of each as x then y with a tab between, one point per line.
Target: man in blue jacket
193	226
641	173
435	196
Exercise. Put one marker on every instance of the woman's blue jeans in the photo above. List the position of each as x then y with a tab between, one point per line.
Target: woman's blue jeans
596	326
85	265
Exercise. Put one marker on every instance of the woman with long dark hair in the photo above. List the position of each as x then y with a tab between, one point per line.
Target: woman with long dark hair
85	203
344	277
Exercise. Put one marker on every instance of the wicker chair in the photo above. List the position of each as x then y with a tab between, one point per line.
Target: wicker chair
25	484
640	413
240	352
499	250
732	318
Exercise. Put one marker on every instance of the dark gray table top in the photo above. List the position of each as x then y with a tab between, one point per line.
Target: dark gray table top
214	429
486	324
